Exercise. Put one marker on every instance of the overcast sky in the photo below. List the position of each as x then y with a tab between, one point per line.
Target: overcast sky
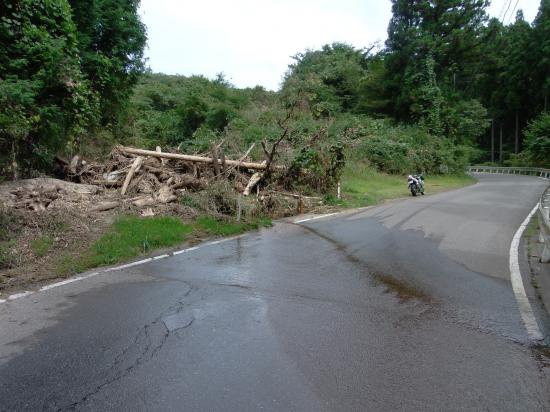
252	41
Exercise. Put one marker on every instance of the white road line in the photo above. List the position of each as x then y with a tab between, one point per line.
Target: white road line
66	282
160	257
179	252
129	265
517	283
20	295
3	300
315	217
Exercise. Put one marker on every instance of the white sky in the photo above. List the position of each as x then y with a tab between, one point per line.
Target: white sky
252	41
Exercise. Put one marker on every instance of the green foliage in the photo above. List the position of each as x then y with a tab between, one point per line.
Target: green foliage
45	101
465	121
407	149
537	141
111	40
327	80
193	111
445	30
64	65
427	98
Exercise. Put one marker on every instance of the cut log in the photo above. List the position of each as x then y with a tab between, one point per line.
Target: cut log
135	166
190	158
102	207
256	177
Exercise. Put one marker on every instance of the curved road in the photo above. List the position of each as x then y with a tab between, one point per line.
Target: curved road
403	306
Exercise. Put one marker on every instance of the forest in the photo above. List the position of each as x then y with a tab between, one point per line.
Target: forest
449	87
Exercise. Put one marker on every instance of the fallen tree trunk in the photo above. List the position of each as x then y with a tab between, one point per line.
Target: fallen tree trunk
190	158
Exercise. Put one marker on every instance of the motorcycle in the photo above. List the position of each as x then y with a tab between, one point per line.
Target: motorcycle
416	184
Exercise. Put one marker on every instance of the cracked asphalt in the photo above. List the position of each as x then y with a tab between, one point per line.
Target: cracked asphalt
403	306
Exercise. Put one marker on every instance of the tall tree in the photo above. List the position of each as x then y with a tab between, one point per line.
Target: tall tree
541	41
111	39
448	30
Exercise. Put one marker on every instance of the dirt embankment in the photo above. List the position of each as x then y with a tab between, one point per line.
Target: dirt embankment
45	221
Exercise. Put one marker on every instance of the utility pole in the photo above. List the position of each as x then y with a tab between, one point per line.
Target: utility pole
493	141
517	132
500	155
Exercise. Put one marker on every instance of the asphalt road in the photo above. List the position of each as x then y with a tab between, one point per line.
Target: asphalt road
404	306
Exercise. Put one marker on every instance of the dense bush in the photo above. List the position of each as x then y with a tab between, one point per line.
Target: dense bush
407	149
537	141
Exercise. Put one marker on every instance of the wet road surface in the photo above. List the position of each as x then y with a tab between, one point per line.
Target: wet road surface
403	306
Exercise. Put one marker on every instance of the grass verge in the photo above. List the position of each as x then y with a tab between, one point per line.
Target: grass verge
132	236
363	186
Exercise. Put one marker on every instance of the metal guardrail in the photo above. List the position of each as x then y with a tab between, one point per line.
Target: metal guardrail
529	171
544	203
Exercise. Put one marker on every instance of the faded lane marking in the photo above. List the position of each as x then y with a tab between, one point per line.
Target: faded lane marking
315	217
525	308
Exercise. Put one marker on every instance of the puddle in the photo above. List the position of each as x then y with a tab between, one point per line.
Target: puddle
403	290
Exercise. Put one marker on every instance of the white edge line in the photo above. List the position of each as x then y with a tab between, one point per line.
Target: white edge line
179	252
160	257
525	308
315	217
129	265
66	282
20	295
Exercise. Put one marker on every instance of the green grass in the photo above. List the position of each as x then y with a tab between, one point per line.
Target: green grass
132	236
42	245
363	186
129	237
